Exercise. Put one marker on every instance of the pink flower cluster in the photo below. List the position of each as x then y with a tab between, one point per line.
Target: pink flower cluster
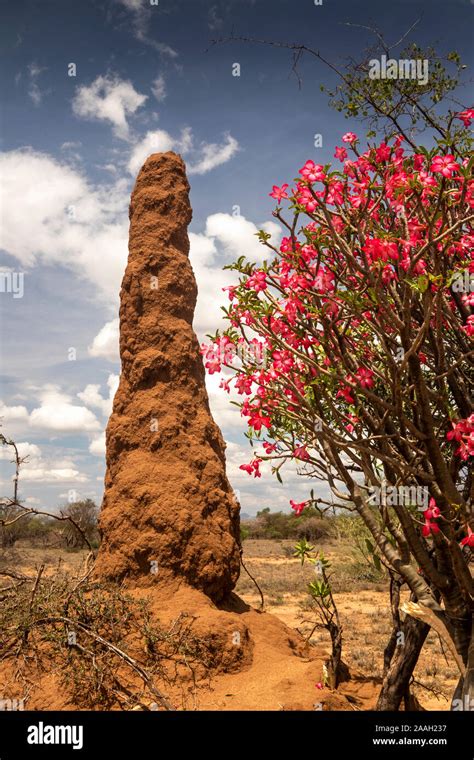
430	516
368	223
463	434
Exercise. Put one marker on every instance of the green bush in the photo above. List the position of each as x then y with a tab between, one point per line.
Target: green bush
281	525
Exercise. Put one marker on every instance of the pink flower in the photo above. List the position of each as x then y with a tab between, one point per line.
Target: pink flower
350	425
298	508
469	539
319	685
341	154
463	434
213	363
383	152
257	282
445	165
244	384
365	377
380	250
312	172
301	452
418	161
269	447
349	137
469	326
346	393
279	192
257	420
253	468
466	116
429	527
433	509
231	289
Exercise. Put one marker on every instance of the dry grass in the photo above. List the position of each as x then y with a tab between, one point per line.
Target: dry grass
363	603
363	607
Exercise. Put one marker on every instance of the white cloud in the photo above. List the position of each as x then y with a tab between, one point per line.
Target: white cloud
158	88
53	475
57	414
132	5
238	236
225	238
91	396
106	342
141	11
203	160
214	21
37	469
25	449
97	446
256	494
158	141
213	154
12	413
34	91
111	99
50	212
224	413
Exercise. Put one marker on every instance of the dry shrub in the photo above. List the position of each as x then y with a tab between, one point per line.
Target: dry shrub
104	645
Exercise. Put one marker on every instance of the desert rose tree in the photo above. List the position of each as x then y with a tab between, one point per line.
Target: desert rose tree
352	349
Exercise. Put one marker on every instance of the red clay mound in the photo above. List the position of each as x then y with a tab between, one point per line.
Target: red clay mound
168	507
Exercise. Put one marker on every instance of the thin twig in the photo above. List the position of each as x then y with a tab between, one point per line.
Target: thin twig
262	600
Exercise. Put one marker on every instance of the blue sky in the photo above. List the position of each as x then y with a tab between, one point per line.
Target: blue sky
148	79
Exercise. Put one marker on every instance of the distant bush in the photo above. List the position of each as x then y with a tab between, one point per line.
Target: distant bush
40	530
281	525
84	514
244	531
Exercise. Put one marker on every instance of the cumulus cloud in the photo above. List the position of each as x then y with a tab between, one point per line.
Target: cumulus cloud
224	413
57	414
110	99
51	213
203	158
214	154
25	449
92	397
158	88
238	236
63	219
38	469
67	473
224	239
97	445
158	141
106	343
10	414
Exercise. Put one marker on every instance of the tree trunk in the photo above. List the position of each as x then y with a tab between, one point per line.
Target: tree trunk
396	683
337	669
463	698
